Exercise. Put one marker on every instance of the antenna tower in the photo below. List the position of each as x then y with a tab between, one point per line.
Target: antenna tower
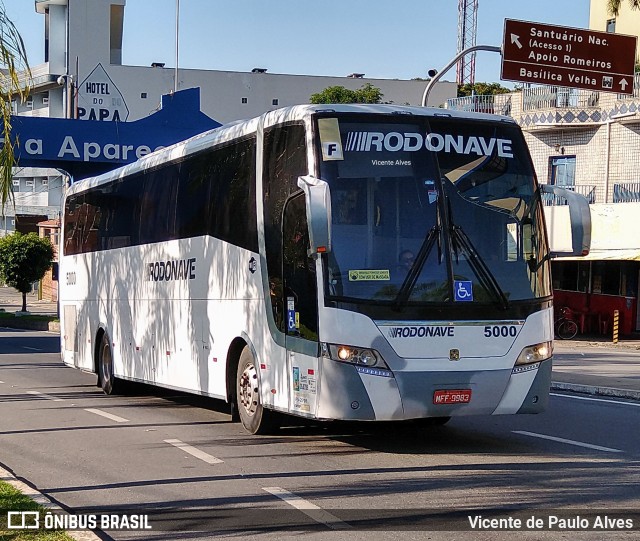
467	29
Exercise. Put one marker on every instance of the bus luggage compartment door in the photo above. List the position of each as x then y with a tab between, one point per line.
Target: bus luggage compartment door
70	336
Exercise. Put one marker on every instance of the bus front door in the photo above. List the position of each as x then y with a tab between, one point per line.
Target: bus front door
300	292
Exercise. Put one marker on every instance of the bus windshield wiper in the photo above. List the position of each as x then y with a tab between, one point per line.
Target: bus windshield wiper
412	276
488	280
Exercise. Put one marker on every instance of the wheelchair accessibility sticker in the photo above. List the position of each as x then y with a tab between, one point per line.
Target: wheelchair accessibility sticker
463	290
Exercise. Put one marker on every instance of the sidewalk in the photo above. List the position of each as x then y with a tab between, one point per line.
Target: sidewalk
594	366
11	302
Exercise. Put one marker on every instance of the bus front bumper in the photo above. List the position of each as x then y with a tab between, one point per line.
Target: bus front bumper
347	393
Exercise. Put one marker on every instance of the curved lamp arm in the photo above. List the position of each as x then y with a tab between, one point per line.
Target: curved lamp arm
436	77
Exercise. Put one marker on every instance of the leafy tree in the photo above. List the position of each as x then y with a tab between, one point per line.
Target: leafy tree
339	94
613	6
369	94
24	259
482	89
13	61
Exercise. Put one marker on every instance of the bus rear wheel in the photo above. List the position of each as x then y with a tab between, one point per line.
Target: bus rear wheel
106	379
253	416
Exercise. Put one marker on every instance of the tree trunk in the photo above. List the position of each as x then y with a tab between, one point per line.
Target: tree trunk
24	302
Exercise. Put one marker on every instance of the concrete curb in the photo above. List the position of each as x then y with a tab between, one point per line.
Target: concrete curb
17	323
629	394
41	499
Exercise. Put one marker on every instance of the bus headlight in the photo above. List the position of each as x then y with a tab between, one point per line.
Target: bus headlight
353	355
535	354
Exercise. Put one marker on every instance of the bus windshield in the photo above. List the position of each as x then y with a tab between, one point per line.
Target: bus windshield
431	210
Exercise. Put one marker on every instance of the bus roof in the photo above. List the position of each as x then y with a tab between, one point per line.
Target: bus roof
241	128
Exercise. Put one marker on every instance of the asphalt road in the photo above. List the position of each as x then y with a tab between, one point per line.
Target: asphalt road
180	459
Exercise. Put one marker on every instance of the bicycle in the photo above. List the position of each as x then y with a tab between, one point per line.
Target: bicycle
565	328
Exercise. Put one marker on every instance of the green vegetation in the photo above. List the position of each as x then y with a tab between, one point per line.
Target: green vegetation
24	259
13	60
12	499
339	94
613	6
4	316
482	89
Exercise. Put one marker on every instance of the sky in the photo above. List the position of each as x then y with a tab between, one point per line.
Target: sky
399	39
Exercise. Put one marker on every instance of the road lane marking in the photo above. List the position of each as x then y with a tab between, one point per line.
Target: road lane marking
206	457
570	442
107	415
32	349
311	510
47	396
1	381
634	404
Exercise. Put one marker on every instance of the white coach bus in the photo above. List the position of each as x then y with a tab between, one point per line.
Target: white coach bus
355	262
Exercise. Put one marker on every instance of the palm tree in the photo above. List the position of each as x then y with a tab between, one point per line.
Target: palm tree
13	62
613	6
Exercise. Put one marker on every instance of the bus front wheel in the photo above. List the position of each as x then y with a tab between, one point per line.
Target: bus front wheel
253	416
106	379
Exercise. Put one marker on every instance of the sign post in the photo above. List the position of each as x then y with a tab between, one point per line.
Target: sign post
563	56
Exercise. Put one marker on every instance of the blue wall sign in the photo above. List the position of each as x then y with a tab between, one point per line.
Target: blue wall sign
85	148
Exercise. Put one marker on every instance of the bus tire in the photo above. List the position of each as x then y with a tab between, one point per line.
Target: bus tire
106	379
254	417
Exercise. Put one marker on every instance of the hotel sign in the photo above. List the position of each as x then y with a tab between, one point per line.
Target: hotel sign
563	56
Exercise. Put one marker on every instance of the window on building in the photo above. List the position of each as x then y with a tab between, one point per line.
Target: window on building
571	275
563	170
606	277
115	34
274	101
611	26
16	183
245	100
45	182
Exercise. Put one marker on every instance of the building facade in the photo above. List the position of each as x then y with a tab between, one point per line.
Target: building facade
626	22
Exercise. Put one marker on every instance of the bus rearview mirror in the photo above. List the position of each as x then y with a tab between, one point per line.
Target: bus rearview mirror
580	219
318	203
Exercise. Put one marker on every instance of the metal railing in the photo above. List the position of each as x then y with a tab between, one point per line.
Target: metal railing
37	76
626	192
552	200
558	97
495	104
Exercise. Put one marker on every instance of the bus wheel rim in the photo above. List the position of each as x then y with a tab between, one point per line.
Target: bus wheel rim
249	389
106	364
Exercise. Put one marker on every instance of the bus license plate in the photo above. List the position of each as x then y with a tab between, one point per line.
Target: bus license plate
460	396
